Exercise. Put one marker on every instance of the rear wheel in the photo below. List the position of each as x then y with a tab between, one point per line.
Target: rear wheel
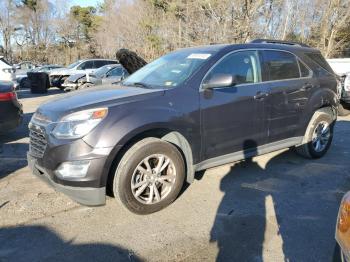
319	135
149	176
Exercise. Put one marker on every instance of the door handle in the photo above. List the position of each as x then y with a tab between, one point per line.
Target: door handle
306	87
260	95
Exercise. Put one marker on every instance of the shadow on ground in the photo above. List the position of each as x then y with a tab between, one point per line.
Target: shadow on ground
13	153
39	243
304	213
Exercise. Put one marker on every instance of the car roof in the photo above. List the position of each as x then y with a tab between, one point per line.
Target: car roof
214	48
98	59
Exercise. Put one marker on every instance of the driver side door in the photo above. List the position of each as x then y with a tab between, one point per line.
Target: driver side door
233	118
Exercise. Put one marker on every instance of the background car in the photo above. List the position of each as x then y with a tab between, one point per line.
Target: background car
342	231
58	76
23	67
23	80
10	108
105	75
7	72
341	66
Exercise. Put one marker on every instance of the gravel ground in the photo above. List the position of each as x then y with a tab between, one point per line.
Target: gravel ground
276	207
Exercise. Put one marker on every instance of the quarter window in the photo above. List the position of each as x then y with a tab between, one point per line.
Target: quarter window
304	71
280	65
243	65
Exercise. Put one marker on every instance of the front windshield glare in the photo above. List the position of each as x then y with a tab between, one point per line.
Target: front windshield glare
74	64
168	71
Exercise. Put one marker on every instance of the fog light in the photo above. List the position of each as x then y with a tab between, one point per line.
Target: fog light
73	169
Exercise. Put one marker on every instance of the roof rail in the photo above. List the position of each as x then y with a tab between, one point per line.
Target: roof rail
282	42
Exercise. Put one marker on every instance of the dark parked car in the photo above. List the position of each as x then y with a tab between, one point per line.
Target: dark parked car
187	111
107	74
24	81
10	108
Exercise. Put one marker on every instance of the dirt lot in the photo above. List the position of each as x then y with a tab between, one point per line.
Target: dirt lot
277	207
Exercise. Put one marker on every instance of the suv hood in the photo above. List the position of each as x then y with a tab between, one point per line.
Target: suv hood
94	97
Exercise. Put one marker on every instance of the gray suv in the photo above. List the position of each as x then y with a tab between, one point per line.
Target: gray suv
187	111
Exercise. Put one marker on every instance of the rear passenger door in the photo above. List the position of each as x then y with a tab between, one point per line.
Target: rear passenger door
290	85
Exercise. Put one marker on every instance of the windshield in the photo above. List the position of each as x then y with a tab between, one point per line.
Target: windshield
168	71
102	71
74	64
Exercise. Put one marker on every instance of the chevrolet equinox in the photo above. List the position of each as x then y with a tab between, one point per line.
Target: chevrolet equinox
187	111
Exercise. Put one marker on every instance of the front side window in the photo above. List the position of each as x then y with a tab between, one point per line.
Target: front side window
244	66
71	66
118	71
280	65
86	65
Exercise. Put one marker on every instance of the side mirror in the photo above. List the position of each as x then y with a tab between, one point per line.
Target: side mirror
219	81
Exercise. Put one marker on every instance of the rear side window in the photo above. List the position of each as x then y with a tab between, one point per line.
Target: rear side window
86	65
111	62
243	65
280	65
320	61
99	63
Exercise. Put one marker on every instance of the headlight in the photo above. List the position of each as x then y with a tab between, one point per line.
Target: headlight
79	124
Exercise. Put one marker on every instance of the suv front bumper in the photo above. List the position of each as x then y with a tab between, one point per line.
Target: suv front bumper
89	196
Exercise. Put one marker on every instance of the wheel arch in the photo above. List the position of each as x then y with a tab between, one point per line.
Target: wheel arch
168	135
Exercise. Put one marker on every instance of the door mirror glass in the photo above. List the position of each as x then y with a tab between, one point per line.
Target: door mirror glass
219	81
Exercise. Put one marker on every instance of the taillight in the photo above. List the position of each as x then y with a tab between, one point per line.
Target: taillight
7	96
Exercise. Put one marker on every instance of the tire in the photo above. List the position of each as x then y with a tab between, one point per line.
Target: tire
309	149
129	173
342	110
61	81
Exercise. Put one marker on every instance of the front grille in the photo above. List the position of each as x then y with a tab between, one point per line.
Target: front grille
37	143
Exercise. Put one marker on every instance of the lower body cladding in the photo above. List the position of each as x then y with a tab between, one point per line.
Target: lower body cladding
81	177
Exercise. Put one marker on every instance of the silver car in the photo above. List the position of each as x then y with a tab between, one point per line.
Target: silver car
107	74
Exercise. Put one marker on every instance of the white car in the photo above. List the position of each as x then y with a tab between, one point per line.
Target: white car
341	66
7	72
86	66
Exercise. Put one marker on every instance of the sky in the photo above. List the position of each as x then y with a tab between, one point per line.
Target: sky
84	2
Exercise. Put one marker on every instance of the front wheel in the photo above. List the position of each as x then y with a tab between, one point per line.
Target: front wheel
149	176
319	135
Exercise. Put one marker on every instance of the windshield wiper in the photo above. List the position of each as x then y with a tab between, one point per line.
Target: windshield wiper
140	84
